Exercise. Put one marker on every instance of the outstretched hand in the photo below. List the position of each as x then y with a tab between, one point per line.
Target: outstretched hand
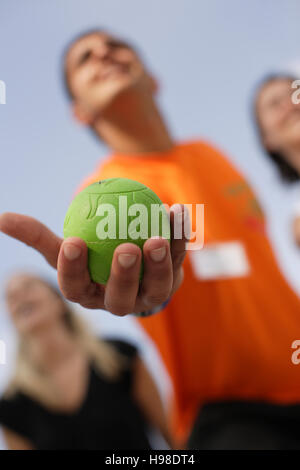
123	293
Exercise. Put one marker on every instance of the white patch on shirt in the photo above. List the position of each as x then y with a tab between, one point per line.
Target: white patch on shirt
220	261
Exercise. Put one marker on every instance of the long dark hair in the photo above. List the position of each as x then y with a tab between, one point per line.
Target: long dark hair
287	172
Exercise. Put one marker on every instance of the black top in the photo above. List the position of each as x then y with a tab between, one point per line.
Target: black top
108	418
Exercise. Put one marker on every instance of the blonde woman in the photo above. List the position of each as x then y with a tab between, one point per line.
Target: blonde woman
71	390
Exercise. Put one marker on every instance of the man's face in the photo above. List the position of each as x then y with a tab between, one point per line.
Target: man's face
278	116
100	67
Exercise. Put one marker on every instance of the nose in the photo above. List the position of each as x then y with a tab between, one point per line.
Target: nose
102	50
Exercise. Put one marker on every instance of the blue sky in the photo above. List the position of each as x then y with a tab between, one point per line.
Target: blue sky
207	54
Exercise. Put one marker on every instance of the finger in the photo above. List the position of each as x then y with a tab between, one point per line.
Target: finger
33	233
73	275
123	284
158	276
178	280
180	229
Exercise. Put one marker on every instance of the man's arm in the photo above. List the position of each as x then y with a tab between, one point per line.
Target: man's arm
123	293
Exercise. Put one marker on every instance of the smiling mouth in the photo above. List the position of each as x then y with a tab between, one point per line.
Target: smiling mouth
294	116
112	71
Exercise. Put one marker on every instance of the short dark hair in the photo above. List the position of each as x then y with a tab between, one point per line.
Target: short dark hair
287	172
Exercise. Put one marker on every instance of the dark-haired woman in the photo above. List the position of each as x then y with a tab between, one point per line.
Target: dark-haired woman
277	114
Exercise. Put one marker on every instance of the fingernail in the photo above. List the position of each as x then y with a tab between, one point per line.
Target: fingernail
158	254
126	260
71	251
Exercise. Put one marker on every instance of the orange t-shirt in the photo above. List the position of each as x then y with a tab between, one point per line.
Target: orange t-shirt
220	338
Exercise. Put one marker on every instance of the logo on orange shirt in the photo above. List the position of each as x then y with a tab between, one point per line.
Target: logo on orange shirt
250	209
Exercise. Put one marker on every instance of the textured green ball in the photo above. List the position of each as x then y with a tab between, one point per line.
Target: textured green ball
111	212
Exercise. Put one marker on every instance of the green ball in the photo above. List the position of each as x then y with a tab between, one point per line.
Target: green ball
111	212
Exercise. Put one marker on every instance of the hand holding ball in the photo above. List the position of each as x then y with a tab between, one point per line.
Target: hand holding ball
111	212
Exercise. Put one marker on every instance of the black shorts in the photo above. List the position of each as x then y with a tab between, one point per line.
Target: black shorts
238	425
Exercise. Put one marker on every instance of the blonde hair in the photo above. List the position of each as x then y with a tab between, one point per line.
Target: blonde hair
31	380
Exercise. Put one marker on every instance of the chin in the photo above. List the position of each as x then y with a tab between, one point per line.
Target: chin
294	139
